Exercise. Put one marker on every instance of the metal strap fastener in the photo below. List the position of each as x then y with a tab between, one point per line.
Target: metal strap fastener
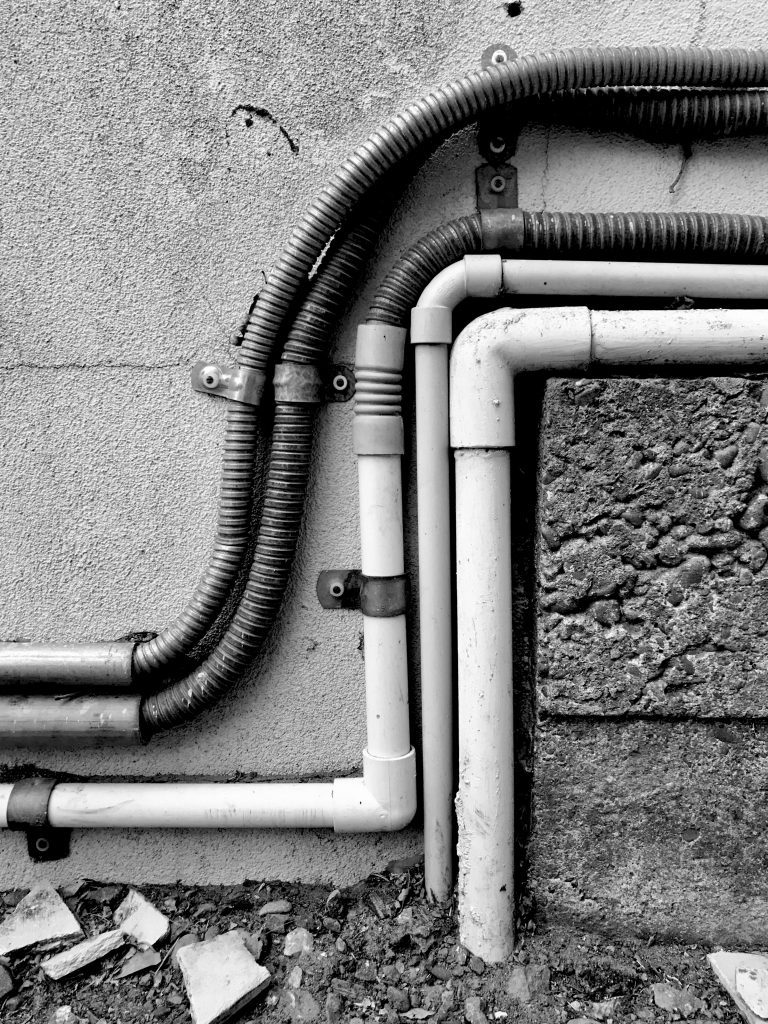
298	384
380	597
237	383
27	811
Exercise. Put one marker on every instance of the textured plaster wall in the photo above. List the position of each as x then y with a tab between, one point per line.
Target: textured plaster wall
144	196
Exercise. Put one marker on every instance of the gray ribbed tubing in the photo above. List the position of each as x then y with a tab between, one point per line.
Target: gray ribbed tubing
659	115
658	236
232	531
415	129
275	547
455	105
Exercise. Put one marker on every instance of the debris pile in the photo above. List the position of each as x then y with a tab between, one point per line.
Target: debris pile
373	953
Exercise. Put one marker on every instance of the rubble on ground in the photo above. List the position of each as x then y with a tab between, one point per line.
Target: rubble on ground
745	977
40	919
85	953
221	977
372	953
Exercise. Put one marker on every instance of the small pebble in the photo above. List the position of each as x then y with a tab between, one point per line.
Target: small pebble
275	907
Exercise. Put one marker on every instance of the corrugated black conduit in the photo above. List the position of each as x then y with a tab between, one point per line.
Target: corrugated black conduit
698	237
422	124
659	115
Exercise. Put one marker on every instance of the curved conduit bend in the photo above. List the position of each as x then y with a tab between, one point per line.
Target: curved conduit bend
412	132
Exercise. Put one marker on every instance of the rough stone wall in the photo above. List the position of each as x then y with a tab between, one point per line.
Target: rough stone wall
653	656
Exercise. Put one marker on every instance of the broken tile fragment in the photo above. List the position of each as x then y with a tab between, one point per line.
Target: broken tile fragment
64	1015
752	986
41	918
140	921
727	965
76	958
297	941
221	977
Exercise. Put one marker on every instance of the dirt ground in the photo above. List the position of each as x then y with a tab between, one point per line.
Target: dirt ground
379	953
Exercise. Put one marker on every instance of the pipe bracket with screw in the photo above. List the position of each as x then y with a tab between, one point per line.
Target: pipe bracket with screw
237	383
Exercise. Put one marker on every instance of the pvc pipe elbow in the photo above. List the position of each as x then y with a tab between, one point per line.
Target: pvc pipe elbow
476	276
383	800
489	353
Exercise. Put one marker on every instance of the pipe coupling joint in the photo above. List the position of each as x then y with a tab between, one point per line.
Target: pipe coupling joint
431	325
502	230
378	435
297	384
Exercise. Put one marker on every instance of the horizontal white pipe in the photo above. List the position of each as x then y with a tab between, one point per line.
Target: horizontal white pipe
687	336
485	802
187	805
652	280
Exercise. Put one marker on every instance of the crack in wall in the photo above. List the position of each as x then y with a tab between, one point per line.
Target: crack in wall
252	111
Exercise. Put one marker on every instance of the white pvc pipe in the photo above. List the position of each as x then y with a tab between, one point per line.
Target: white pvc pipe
431	331
495	346
435	617
386	685
191	805
381	515
486	759
653	280
693	336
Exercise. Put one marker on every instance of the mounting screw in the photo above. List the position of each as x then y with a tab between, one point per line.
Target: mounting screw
497	183
42	845
497	144
340	383
210	376
336	590
497	54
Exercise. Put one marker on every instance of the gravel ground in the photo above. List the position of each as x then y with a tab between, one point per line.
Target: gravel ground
379	953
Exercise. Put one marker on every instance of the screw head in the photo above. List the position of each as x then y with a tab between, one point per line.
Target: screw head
336	590
340	383
497	144
499	57
497	183
42	845
210	377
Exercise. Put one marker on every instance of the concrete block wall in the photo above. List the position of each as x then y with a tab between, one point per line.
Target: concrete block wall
154	158
650	760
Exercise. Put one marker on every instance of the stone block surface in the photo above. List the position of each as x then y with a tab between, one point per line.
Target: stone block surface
653	827
653	566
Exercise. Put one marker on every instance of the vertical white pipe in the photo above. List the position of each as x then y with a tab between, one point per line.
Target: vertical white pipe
486	763
384	639
381	515
435	617
386	686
